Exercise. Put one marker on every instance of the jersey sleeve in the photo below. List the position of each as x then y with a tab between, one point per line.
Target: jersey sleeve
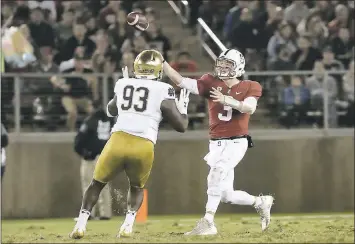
204	85
116	85
255	90
168	92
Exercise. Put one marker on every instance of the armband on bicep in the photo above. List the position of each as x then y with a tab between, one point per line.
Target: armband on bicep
190	85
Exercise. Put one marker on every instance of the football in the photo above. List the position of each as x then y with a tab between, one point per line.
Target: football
138	21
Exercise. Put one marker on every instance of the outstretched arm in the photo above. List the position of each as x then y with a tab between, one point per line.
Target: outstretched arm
183	82
178	121
175	111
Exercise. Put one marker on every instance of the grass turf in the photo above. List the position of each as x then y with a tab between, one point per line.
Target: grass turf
234	228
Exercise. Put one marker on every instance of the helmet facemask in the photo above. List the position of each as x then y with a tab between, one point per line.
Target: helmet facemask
230	64
225	68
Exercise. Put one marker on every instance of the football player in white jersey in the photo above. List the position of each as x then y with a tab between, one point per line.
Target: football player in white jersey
140	104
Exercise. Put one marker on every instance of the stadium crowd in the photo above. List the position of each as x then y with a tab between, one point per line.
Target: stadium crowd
71	37
92	36
290	35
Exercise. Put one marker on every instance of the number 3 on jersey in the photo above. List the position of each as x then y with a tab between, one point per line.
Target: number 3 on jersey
136	97
226	115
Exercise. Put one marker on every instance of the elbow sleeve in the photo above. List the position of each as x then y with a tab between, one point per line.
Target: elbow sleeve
247	106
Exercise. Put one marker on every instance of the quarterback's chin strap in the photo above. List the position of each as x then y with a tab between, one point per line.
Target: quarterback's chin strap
108	112
247	106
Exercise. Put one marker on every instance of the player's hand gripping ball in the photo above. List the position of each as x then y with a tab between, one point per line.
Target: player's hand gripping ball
138	21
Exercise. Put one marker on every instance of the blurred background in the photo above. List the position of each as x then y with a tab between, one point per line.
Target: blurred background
60	60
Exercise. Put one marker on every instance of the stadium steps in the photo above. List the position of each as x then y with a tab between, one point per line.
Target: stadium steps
181	38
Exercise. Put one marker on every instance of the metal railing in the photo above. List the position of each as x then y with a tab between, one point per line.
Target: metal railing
20	80
204	32
182	9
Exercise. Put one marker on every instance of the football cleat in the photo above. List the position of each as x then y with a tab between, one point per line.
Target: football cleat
77	233
264	208
203	227
125	231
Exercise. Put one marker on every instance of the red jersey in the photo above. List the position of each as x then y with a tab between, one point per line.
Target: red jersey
223	120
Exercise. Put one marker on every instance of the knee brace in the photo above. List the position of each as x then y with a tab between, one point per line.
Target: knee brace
214	181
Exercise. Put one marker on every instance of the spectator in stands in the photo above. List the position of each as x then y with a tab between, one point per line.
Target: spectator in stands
79	38
136	44
48	8
295	100
318	84
91	26
103	53
315	27
150	14
64	28
22	13
158	41
329	61
7	10
139	7
348	82
107	15
273	18
127	60
284	35
95	6
45	65
206	12
348	87
325	10
46	102
282	60
342	19
120	31
232	18
295	12
42	33
343	46
245	34
331	64
306	55
77	92
184	63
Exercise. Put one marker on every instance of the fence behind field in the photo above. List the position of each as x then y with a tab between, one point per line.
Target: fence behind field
19	101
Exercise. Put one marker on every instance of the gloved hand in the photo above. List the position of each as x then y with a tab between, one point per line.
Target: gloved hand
125	72
183	101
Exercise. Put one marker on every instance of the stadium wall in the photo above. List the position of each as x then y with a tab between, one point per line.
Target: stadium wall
304	174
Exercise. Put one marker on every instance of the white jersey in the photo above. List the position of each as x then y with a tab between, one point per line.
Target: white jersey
138	104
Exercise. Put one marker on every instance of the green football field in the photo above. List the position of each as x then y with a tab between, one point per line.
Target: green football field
322	228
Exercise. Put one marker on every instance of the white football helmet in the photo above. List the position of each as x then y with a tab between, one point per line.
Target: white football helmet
230	64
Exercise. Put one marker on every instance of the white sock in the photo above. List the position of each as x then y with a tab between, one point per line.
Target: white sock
240	198
83	218
209	216
211	207
130	217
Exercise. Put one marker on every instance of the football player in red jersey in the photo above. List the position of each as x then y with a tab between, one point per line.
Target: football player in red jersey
230	103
